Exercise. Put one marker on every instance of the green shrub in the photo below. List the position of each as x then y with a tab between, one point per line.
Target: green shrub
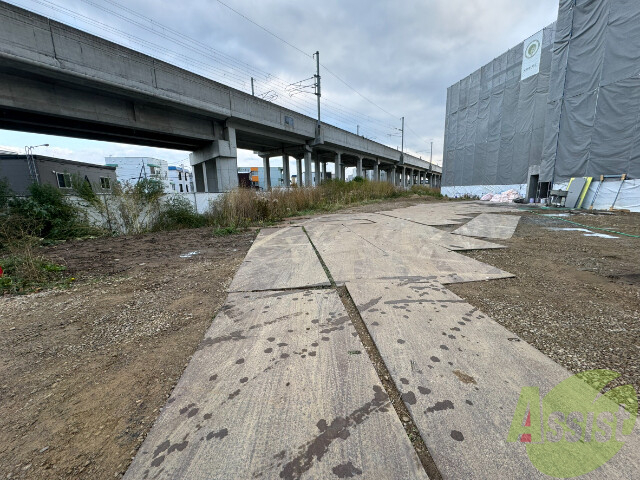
46	213
178	213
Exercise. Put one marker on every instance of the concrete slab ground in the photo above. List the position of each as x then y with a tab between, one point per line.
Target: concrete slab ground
488	225
279	388
282	386
280	258
460	375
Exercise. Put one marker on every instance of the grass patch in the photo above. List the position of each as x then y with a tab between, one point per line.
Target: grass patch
223	231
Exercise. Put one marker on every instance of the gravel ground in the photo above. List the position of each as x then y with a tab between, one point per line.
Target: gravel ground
85	371
575	298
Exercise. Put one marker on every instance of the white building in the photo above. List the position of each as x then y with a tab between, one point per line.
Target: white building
180	180
133	169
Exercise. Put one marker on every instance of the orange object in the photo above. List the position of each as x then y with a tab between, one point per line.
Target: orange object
255	178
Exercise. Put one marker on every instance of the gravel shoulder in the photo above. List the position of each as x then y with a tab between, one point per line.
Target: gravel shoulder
575	298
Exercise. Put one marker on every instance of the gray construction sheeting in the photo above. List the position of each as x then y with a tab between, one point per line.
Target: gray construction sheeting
577	117
592	115
494	118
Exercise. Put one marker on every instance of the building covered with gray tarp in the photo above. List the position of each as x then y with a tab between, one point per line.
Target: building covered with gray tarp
564	103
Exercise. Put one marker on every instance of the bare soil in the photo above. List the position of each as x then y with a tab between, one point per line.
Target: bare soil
85	371
575	298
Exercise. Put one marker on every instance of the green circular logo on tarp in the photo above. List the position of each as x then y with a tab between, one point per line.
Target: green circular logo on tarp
576	429
532	49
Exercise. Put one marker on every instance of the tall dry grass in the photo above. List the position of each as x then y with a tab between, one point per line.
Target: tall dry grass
244	207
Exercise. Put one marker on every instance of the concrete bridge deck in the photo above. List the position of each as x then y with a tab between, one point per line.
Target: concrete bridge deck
58	80
282	386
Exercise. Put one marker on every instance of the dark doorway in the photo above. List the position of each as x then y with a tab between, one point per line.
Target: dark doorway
533	187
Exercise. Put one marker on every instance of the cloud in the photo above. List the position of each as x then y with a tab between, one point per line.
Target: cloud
400	55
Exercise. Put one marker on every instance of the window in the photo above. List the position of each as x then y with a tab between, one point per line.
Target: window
187	187
179	175
105	183
181	189
186	176
173	186
64	180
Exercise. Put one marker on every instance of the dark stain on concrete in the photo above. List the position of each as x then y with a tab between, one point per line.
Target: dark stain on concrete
220	434
409	398
268	350
244	379
424	390
316	448
184	410
401	341
193	412
469	402
435	359
366	306
444	347
240	361
440	406
457	436
346	470
234	394
232	337
404	381
213	378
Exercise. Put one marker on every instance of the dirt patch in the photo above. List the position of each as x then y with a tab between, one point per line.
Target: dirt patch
85	371
575	298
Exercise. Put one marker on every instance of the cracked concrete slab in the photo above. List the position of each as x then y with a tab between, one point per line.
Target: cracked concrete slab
280	258
281	387
490	225
460	374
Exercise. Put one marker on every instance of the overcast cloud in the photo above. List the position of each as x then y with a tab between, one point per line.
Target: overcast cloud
400	55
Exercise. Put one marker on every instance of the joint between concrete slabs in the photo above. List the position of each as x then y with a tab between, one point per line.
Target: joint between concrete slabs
382	371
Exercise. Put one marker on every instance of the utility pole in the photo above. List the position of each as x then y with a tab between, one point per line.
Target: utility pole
253	92
358	129
431	157
318	91
402	148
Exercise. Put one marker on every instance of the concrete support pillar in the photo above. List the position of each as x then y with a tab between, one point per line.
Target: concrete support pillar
404	177
376	171
394	176
359	167
285	170
338	166
324	171
316	168
216	164
299	180
266	163
307	169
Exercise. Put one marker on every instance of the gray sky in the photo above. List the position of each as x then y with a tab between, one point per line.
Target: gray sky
400	55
